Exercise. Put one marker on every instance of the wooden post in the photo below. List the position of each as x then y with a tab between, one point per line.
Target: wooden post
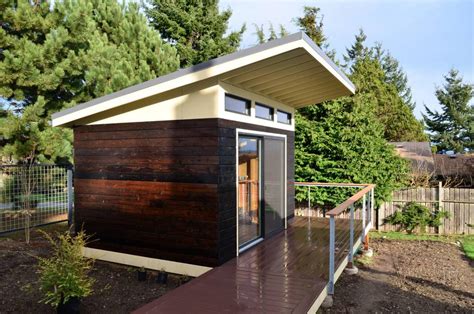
70	196
440	200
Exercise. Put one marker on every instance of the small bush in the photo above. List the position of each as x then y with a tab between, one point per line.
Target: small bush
415	215
64	275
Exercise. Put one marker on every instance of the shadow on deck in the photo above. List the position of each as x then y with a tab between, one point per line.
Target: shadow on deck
284	274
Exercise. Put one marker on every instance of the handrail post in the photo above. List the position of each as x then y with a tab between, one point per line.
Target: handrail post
351	236
372	203
332	250
309	200
364	209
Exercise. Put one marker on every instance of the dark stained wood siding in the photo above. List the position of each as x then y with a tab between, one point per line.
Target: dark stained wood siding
163	189
151	188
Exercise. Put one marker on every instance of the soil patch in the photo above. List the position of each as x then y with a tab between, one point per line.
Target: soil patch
409	276
116	290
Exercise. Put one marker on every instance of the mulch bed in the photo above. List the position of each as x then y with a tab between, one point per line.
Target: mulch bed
404	276
409	277
116	290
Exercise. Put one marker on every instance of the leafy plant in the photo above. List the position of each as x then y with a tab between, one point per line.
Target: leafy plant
64	275
415	215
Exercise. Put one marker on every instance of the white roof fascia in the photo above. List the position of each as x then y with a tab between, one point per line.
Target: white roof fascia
198	73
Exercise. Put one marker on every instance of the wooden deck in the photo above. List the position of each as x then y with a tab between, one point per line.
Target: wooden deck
284	274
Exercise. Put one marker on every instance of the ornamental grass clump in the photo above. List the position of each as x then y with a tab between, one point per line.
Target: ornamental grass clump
64	275
414	215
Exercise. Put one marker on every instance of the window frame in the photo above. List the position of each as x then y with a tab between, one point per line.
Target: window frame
288	114
265	106
247	101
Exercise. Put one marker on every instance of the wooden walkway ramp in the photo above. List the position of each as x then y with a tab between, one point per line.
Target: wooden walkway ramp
284	274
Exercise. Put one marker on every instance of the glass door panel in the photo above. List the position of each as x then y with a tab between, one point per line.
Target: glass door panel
274	182
249	189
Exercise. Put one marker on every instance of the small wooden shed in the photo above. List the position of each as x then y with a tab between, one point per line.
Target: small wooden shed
196	166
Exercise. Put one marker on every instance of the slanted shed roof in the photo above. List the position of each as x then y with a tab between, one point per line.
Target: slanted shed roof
292	70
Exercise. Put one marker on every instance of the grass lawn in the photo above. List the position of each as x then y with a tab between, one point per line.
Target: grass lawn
468	246
467	241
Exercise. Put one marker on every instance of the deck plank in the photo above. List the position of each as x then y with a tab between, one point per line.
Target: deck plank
284	274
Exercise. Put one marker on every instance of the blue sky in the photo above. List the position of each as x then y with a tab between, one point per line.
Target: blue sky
428	37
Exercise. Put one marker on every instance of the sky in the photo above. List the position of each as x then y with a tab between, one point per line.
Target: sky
428	37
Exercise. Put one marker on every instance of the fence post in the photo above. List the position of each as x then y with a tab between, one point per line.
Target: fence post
440	200
351	236
332	250
69	197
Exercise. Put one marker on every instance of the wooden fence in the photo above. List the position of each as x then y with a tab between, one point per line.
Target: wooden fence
458	202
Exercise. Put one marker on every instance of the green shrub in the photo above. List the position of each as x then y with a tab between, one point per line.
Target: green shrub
64	275
415	215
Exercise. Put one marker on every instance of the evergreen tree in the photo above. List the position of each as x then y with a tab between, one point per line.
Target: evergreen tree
358	51
373	72
262	37
394	75
55	57
312	24
453	127
343	140
195	27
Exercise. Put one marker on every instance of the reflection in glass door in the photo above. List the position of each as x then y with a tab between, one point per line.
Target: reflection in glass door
249	194
274	184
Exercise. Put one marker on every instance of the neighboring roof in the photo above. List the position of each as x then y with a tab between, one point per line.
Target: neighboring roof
460	166
292	70
419	153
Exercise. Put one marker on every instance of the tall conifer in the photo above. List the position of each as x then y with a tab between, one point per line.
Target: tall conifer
55	56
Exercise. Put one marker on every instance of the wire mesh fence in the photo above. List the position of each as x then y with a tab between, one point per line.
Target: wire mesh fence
33	195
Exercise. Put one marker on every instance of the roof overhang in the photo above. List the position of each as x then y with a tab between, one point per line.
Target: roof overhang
292	70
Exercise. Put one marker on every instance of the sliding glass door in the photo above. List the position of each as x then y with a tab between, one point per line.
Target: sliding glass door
261	187
249	189
274	184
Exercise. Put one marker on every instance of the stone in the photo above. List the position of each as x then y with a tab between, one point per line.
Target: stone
328	302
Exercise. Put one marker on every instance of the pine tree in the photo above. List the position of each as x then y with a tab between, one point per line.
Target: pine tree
453	127
343	140
312	24
262	37
55	57
196	28
394	75
358	51
366	67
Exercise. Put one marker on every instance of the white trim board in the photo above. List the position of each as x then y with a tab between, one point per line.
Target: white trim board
146	262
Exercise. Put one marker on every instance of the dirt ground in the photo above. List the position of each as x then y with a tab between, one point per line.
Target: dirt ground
403	276
409	277
116	290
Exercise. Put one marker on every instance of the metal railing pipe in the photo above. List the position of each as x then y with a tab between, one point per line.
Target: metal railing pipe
332	250
351	236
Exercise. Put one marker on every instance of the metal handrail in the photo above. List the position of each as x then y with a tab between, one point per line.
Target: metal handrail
367	206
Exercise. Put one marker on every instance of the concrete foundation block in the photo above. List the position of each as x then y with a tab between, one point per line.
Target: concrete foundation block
351	270
328	302
368	253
